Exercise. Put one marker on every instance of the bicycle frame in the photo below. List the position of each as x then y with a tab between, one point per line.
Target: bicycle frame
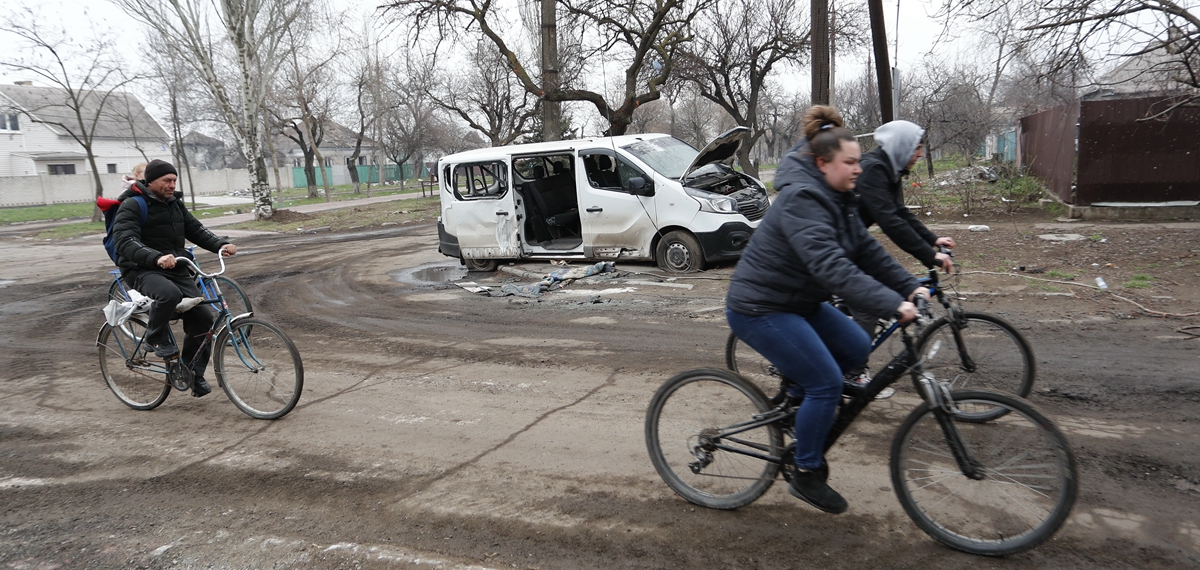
222	321
934	393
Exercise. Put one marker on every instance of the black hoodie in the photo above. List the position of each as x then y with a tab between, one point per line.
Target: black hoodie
167	225
812	244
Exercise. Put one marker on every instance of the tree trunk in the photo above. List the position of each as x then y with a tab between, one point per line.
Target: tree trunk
96	177
310	173
551	110
324	173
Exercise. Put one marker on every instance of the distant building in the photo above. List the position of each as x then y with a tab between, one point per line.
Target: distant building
30	142
208	153
1151	74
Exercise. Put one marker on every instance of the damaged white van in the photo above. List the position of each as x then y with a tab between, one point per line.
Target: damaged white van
632	197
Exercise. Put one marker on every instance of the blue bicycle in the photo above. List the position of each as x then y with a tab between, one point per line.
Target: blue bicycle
255	363
237	301
979	351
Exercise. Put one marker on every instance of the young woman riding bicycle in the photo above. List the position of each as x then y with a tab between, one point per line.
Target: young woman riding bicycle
811	245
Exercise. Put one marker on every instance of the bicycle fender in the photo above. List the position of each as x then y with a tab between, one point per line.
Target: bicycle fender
223	330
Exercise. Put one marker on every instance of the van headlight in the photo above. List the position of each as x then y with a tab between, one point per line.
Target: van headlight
710	202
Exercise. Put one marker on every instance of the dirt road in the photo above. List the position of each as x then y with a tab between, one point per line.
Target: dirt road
440	428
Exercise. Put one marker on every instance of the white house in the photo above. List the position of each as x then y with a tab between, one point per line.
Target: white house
30	144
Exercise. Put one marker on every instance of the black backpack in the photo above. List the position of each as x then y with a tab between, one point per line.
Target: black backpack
110	207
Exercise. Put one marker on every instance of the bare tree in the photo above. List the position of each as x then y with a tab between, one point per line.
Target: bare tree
642	35
1061	32
252	34
488	98
409	123
950	103
84	75
739	44
783	115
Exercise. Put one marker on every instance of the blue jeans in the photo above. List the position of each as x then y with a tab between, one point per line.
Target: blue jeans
812	353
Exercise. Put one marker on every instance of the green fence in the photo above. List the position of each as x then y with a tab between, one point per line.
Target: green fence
340	175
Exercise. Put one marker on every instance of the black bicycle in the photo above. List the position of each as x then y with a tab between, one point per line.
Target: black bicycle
255	363
978	350
992	488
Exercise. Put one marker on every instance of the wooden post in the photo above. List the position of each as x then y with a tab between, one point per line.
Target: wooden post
883	69
820	52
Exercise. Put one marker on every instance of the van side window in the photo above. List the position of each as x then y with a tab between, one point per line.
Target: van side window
608	172
480	181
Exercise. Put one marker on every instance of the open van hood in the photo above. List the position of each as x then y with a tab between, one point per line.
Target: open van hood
722	149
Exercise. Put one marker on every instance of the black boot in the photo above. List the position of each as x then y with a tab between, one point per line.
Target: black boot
200	388
810	487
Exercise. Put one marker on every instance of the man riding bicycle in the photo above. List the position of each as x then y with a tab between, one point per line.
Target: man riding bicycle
881	200
811	245
146	256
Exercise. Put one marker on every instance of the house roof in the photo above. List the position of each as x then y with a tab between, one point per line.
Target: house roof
47	105
201	139
1141	75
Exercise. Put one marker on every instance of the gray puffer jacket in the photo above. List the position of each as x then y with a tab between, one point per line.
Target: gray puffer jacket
810	245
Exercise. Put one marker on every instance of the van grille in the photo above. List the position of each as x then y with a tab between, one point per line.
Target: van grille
753	208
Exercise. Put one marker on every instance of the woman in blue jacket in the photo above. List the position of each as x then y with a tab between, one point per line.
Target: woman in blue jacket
809	246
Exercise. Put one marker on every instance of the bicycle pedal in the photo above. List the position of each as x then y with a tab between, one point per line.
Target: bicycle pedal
179	376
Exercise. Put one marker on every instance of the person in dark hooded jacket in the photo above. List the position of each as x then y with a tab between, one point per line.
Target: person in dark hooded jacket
146	255
810	245
880	192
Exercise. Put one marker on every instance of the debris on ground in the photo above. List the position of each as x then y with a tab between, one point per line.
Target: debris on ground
554	280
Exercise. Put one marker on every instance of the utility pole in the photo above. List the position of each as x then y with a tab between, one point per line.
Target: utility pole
820	52
551	110
883	71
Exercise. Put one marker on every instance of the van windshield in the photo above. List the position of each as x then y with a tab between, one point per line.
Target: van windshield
668	155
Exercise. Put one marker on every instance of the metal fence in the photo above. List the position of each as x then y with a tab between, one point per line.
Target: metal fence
1047	143
1102	151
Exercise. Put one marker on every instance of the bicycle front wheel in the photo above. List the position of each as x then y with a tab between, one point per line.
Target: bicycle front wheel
1028	482
992	355
126	371
749	364
697	438
259	368
238	301
116	292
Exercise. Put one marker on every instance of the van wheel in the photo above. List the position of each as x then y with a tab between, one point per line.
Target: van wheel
679	252
482	265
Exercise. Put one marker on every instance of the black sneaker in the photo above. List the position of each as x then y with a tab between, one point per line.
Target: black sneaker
810	487
164	350
200	388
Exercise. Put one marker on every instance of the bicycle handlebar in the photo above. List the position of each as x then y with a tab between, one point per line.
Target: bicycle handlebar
220	258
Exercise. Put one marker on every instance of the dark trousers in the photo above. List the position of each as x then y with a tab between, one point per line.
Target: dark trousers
813	353
167	288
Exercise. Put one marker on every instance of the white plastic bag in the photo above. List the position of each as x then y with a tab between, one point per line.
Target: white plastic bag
117	312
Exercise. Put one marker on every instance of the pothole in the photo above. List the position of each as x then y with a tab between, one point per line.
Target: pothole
430	273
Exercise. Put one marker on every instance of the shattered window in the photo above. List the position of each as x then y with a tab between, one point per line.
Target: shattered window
668	155
481	181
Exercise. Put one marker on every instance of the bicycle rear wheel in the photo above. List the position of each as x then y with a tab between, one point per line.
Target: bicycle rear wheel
687	434
127	373
752	366
994	356
259	368
1029	476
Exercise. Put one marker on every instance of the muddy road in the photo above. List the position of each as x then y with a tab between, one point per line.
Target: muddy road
440	428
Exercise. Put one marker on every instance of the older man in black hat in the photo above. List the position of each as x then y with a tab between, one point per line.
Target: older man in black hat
147	260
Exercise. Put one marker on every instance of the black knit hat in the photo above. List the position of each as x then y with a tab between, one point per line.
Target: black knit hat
157	169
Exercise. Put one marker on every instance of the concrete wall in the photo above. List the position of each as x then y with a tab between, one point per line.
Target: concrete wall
46	189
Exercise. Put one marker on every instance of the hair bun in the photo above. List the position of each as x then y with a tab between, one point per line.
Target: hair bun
821	118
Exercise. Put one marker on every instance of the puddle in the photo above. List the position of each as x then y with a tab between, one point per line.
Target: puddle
7	282
430	273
